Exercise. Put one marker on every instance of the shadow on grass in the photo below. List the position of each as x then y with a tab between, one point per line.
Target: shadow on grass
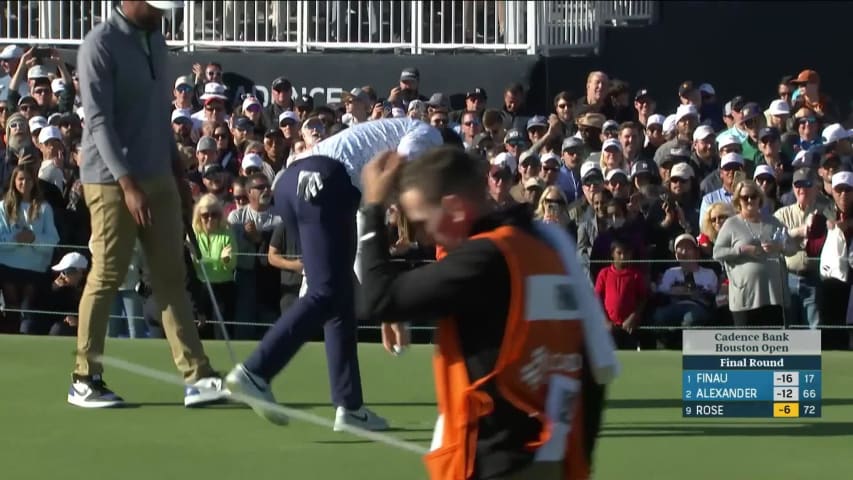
676	402
751	429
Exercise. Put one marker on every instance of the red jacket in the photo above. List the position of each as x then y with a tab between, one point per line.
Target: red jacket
621	291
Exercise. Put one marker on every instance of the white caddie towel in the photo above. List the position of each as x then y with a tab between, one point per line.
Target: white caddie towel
600	348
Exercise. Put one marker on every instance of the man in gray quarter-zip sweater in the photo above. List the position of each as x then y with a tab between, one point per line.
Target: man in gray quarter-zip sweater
132	184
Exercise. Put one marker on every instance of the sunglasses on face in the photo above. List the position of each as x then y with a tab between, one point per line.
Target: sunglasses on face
220	136
806	120
241	198
16	125
550	168
765	179
553	201
214	73
470	123
25	108
209	215
213	109
843	189
317	127
562	106
184	89
41	91
677	180
732	168
803	185
253	108
655	129
750	197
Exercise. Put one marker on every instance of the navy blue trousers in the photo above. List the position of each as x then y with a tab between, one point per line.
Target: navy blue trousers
326	229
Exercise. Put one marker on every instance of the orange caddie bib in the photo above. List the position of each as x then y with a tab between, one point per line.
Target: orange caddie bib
538	370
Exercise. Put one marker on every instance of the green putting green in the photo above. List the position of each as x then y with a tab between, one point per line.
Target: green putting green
644	437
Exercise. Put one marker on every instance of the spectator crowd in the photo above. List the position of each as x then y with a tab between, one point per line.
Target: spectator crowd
724	213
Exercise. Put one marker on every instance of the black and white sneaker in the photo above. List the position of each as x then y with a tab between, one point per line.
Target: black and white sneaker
92	392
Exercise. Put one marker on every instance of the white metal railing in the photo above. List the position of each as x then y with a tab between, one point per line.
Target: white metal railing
417	26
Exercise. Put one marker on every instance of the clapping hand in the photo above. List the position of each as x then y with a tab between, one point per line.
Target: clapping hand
25	236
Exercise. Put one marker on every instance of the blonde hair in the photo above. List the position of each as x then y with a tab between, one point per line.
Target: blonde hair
707	227
539	214
208	202
737	194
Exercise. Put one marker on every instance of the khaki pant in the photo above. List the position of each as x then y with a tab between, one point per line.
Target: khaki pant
114	233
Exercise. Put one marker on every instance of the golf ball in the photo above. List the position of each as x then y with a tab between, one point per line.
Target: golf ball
399	349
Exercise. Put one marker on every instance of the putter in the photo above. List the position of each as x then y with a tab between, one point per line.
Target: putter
196	256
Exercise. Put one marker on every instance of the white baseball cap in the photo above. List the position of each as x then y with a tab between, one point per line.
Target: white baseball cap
184	80
681	170
730	158
685	111
779	107
842	178
37	123
589	168
37	71
611	143
669	123
249	101
252	160
656	119
420	140
702	132
506	159
834	133
71	260
288	115
763	170
213	91
49	133
11	52
165	5
58	85
614	172
725	140
551	156
707	88
179	113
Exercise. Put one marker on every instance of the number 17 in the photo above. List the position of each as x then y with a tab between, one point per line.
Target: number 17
809	377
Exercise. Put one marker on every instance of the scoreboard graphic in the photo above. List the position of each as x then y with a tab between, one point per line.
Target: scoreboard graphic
751	373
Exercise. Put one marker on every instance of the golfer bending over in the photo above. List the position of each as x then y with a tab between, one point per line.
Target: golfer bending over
316	197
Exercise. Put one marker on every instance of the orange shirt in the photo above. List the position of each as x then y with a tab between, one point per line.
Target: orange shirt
538	369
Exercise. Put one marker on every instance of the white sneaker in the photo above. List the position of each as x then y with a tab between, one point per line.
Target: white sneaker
242	381
205	391
92	392
363	418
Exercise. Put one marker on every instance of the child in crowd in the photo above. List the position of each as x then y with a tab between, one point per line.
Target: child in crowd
623	290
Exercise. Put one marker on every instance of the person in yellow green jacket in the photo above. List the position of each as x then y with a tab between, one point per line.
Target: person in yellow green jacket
216	246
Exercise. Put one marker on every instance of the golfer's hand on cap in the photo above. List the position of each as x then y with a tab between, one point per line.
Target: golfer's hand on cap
379	176
136	201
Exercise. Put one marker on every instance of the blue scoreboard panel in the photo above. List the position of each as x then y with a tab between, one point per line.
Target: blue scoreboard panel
751	373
